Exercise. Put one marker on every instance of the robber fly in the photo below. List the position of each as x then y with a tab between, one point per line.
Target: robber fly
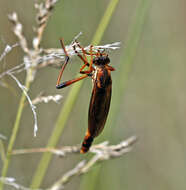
100	72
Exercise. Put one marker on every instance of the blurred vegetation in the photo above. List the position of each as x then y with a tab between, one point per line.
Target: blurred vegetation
152	104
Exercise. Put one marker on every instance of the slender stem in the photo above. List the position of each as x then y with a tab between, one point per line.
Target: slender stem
104	21
14	131
66	109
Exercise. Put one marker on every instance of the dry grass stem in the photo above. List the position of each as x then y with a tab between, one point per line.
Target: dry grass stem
16	69
102	152
7	49
18	31
54	56
12	182
45	99
44	12
103	148
68	176
29	100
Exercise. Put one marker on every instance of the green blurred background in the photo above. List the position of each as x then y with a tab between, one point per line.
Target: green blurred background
153	105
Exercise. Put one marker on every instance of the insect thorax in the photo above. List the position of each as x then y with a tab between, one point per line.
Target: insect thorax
101	60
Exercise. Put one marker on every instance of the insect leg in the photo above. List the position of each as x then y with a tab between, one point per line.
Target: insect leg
64	65
84	59
90	64
69	82
110	68
83	50
91	58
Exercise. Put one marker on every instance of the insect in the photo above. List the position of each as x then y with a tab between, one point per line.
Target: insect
100	72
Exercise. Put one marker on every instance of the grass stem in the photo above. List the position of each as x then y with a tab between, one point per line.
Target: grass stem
14	131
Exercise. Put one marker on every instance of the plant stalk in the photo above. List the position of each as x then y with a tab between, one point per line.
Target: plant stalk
15	130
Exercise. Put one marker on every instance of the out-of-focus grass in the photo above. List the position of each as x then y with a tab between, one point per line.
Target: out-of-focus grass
15	128
90	181
66	109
